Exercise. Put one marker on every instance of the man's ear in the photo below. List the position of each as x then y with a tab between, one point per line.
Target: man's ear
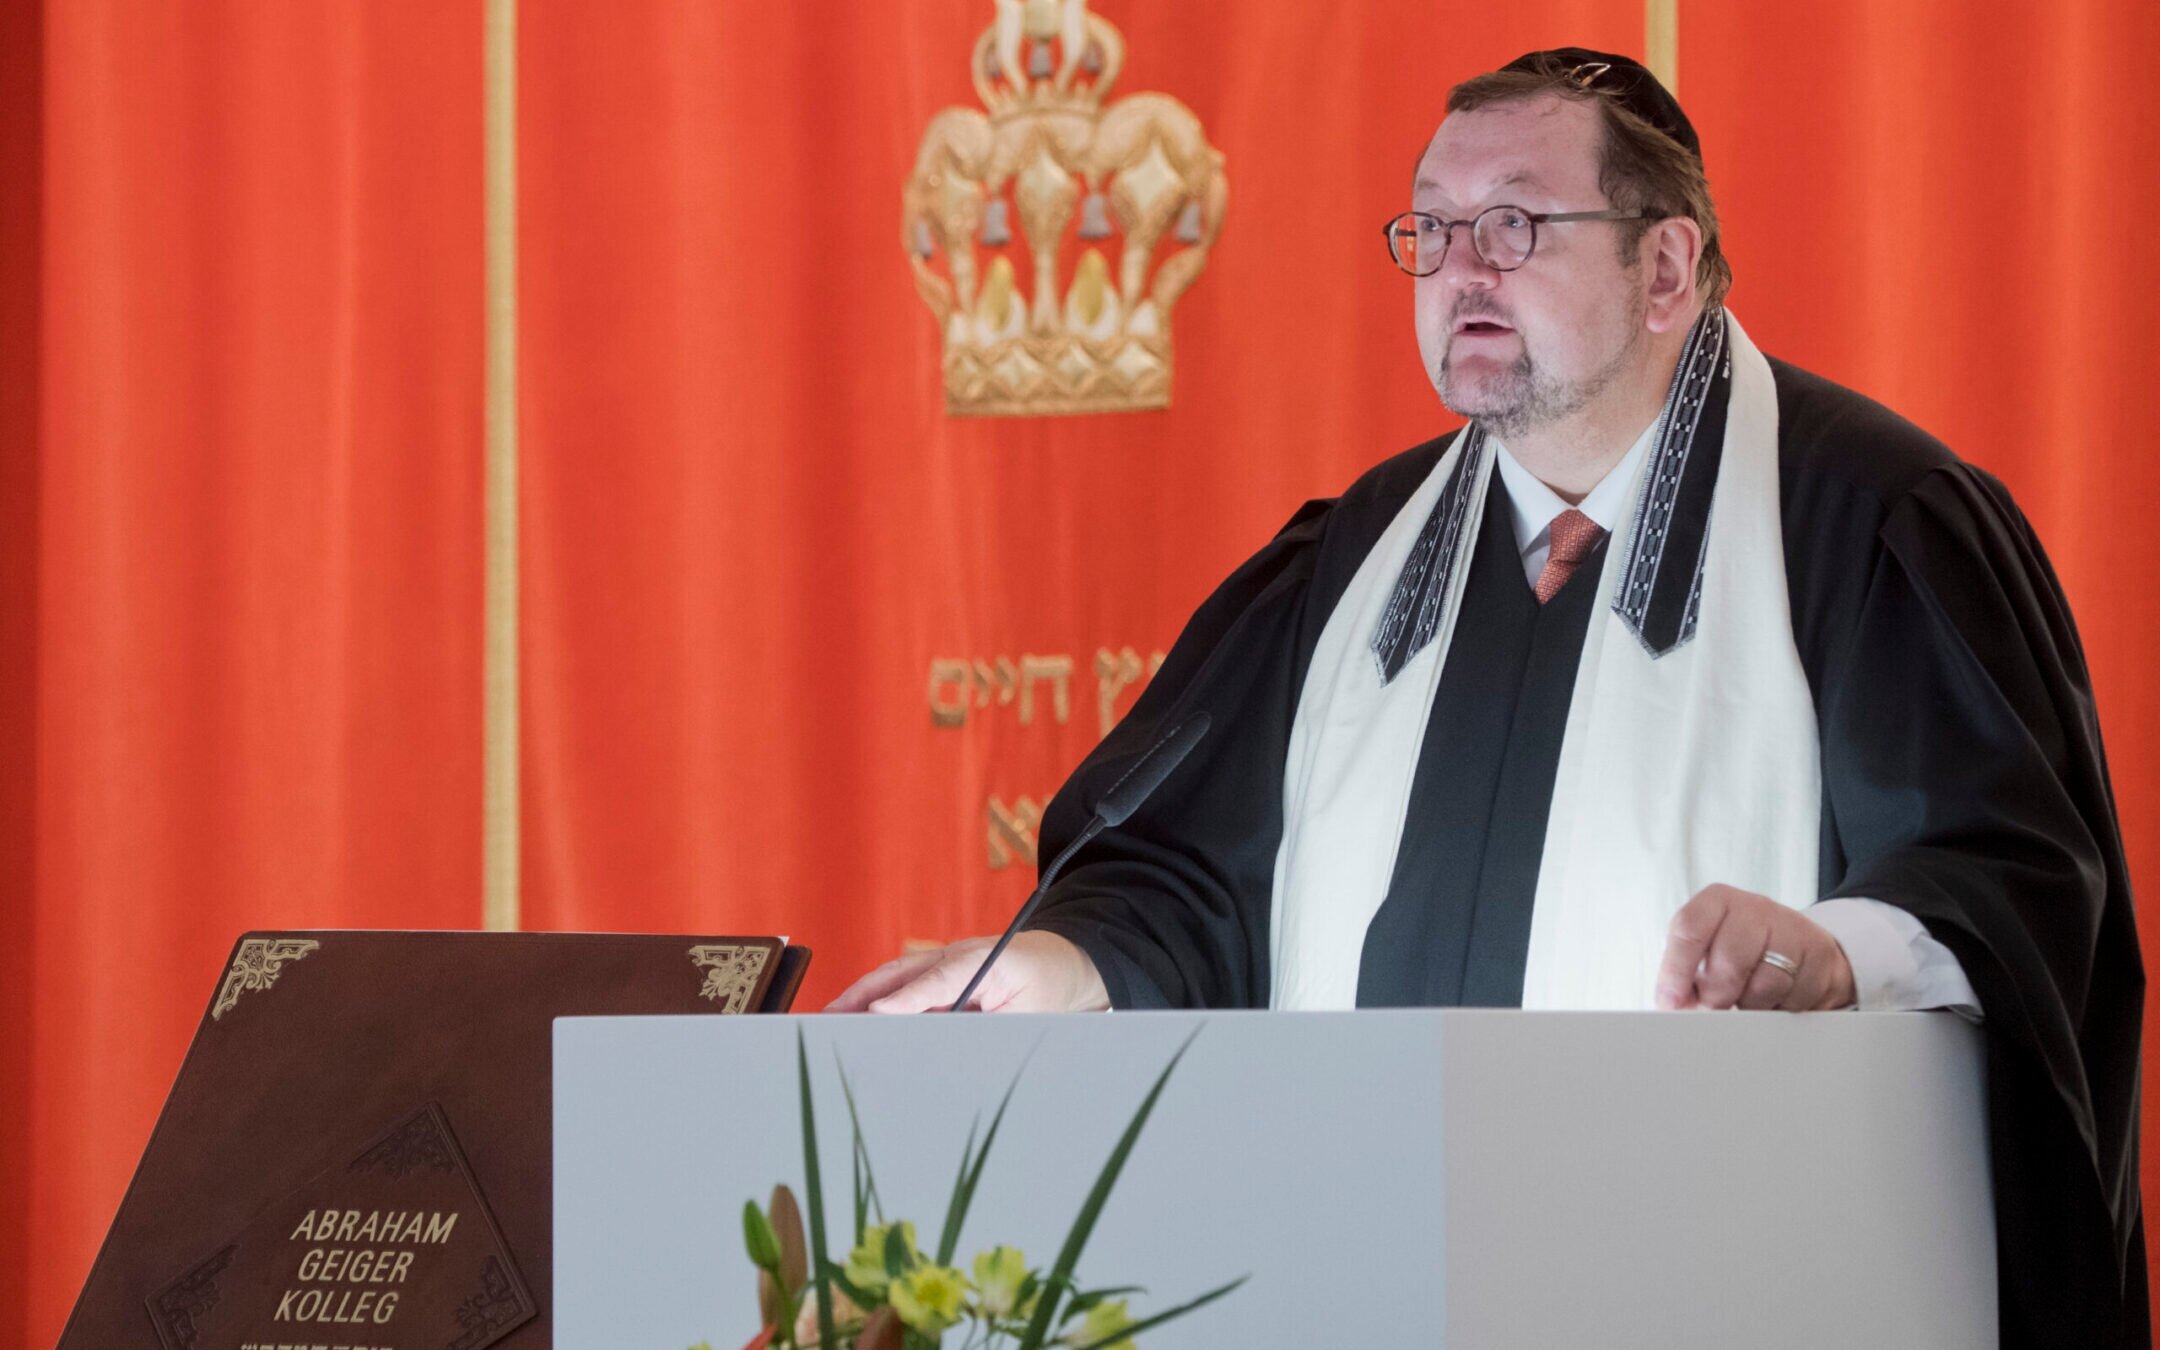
1674	247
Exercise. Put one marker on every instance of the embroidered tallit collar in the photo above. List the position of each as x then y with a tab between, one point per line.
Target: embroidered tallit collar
1690	753
1660	591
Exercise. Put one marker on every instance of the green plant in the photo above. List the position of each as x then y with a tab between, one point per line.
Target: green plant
887	1295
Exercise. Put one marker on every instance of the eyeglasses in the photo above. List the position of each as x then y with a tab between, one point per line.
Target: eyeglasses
1504	236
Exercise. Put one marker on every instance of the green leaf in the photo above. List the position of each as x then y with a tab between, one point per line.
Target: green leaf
786	1313
897	1257
814	1187
1150	1323
877	1202
964	1190
1091	1209
950	1237
855	1161
758	1236
1084	1301
862	1154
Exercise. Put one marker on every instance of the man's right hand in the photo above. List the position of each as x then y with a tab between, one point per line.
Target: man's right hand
1039	972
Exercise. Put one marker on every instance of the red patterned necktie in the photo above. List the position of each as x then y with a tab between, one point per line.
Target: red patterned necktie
1573	536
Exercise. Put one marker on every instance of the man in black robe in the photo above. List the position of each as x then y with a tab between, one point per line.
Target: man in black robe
1477	726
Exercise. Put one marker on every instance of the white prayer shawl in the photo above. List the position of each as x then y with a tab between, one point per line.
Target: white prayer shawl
1678	770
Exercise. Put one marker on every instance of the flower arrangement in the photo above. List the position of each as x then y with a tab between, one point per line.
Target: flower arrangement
890	1295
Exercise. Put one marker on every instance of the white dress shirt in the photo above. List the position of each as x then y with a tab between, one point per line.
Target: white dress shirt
1895	964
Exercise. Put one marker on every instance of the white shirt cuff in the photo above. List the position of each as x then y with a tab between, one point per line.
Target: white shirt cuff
1896	966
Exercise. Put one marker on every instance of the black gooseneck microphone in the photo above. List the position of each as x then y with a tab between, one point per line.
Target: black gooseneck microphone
1123	798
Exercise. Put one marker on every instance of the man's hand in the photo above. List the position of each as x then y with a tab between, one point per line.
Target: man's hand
1039	972
1716	949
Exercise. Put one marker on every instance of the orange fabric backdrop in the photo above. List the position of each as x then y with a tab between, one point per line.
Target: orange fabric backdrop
240	512
749	525
251	586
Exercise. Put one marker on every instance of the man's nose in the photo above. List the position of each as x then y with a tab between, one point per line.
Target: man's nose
1462	267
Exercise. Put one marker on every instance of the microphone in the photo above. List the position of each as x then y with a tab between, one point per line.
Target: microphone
1123	798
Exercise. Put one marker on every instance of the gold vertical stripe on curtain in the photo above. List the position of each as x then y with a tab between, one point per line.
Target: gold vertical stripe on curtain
1661	41
499	811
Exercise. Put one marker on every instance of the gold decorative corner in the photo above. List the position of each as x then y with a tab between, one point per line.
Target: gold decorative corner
998	192
731	973
256	966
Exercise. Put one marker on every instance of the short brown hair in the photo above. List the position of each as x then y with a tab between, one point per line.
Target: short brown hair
1640	168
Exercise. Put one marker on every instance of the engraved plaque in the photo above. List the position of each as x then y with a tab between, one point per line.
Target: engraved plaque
395	1249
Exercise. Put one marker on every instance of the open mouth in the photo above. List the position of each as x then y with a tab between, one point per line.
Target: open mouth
1481	327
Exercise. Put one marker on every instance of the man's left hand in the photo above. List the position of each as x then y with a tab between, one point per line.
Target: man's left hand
1717	950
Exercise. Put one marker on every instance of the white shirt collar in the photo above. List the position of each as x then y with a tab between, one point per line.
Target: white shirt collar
1536	506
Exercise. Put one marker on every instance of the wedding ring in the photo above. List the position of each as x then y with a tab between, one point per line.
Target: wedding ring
1782	962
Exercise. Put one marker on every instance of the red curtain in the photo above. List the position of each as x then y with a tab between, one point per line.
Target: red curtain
240	504
22	149
750	528
243	540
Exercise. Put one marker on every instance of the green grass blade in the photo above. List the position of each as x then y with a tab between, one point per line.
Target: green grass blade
1150	1323
814	1187
855	1161
957	1205
964	1196
1060	1276
862	1150
1082	1300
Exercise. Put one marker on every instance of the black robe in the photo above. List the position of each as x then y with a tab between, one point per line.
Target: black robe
1962	780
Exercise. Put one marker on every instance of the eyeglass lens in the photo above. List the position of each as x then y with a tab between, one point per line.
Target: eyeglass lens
1503	236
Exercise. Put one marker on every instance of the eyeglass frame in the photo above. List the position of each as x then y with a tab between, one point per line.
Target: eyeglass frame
1536	218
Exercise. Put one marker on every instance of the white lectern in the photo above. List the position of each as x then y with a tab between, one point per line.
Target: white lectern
1480	1180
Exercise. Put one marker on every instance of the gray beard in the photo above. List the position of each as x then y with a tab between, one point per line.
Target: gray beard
1523	397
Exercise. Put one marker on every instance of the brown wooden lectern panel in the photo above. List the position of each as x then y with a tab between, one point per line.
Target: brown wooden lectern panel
357	1153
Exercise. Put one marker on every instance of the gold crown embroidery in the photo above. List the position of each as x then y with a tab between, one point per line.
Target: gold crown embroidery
1022	337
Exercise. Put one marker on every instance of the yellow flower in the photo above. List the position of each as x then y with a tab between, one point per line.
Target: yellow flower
1103	1321
999	1273
866	1264
928	1298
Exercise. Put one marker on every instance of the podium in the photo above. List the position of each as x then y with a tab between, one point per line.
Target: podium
1487	1179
